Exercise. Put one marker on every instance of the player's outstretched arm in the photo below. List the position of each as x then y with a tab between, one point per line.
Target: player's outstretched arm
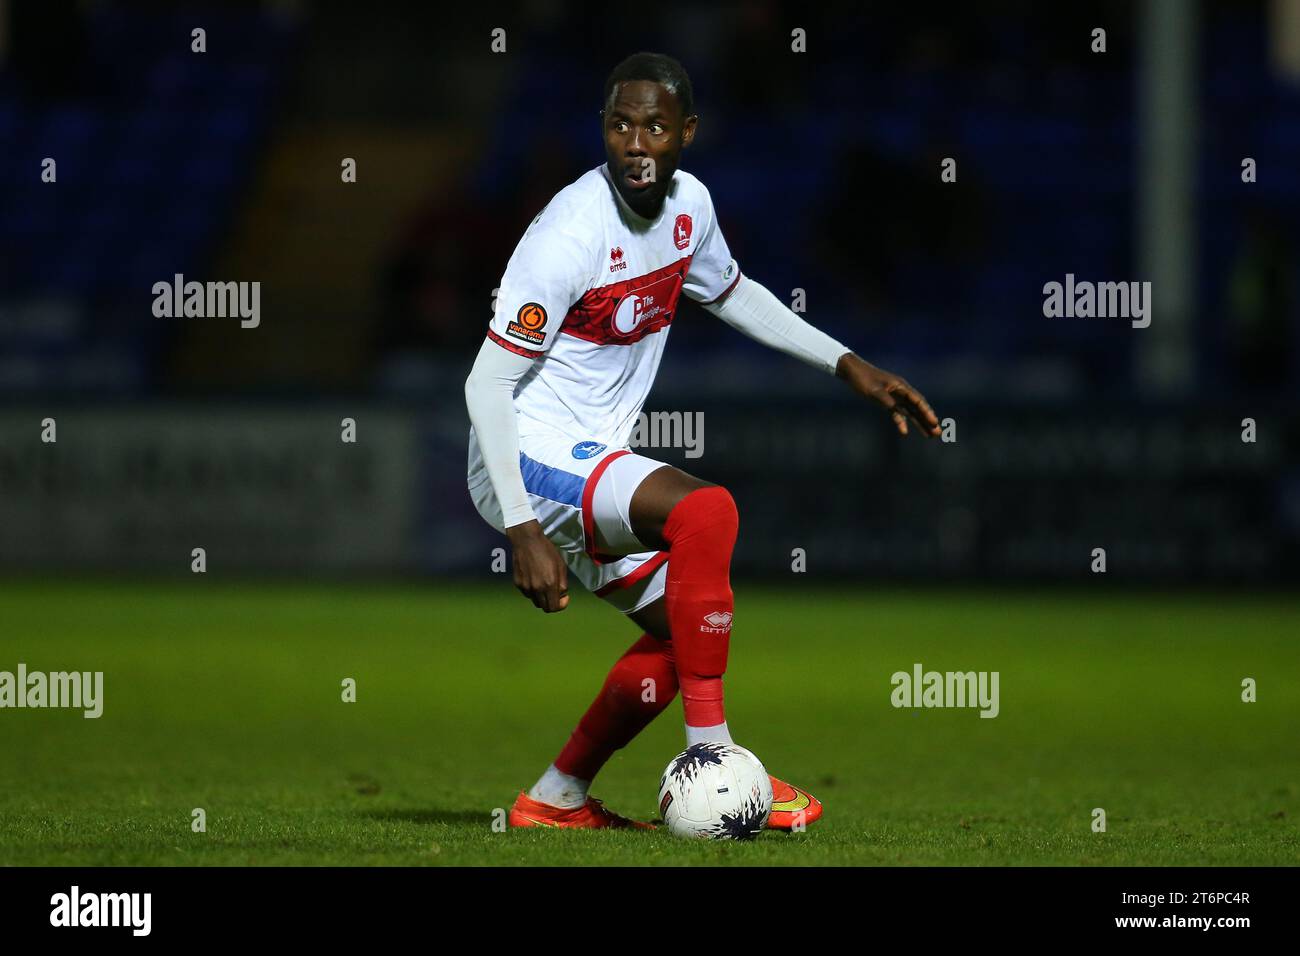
754	310
539	570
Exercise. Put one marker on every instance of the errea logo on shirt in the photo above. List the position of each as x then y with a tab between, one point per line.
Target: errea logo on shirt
616	259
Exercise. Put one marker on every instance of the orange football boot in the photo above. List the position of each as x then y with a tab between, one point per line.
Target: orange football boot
592	815
789	803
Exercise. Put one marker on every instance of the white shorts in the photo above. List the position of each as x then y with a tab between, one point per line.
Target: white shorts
580	492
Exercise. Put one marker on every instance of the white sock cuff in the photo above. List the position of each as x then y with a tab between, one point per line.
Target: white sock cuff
558	789
718	734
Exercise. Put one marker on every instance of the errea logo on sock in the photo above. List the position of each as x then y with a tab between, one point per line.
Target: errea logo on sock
719	622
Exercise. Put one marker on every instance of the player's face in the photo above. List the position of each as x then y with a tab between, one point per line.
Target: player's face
643	121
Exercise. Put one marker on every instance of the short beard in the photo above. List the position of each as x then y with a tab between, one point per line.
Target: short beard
645	204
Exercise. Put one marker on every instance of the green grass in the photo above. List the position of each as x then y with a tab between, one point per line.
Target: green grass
227	697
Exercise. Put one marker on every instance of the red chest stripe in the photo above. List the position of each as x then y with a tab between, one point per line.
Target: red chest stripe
628	311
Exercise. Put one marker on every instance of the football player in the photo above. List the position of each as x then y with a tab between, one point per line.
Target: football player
583	314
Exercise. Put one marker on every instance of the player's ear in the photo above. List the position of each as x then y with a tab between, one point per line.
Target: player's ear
688	130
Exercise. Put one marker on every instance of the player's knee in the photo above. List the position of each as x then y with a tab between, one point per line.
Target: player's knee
709	510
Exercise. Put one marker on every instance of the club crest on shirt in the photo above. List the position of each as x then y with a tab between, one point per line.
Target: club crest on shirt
682	231
528	324
588	449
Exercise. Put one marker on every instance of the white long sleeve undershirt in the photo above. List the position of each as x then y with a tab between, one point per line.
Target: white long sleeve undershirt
490	398
754	310
490	388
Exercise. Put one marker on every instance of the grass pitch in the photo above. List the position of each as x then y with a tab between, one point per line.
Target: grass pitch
228	698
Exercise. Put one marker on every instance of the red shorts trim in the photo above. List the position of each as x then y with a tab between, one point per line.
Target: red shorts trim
517	349
588	519
632	577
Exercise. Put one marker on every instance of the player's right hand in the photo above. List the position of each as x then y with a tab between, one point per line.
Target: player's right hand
540	572
890	392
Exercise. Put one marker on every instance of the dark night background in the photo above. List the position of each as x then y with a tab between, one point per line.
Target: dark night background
824	166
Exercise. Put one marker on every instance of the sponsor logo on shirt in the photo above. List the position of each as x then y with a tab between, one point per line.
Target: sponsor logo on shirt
650	302
528	324
653	304
682	231
588	449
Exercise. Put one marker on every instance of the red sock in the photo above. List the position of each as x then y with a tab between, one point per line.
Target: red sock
623	708
701	533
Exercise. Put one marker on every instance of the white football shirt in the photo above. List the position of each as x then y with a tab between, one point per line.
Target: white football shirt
591	291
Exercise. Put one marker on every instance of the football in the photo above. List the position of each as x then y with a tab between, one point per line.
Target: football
715	791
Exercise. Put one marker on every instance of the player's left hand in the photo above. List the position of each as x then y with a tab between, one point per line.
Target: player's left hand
891	392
